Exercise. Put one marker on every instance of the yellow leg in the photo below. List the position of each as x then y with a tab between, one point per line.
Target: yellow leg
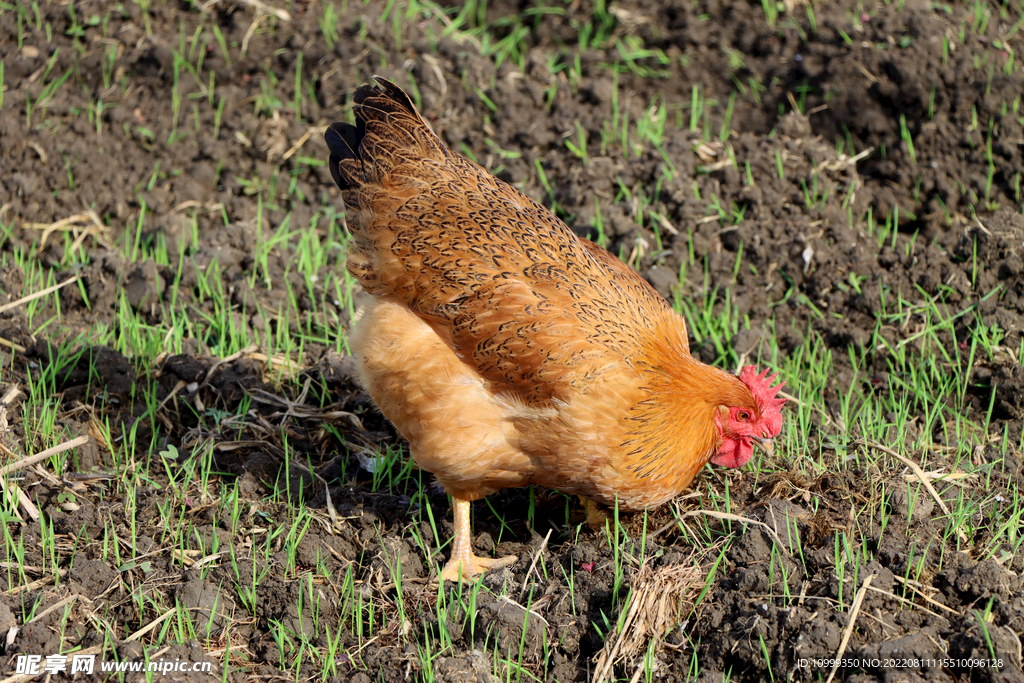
464	564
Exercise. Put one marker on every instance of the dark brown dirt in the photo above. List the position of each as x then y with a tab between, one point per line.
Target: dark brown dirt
814	264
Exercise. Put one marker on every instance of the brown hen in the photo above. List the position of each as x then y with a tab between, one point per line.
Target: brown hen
509	351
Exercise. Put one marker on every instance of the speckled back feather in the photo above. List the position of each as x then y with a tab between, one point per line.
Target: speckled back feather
528	303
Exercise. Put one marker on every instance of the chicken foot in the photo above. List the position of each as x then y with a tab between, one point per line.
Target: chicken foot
464	564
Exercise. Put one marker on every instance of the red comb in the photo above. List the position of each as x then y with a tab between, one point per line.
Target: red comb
760	385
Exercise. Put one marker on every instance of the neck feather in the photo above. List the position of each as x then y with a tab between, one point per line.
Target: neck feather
674	431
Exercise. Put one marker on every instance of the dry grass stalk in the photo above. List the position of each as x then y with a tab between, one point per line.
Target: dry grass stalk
854	611
37	295
660	599
39	457
81	225
17	348
922	477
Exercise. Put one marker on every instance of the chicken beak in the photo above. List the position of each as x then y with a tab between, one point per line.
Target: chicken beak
766	445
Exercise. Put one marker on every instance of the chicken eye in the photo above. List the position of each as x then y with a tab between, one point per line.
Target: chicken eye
743	416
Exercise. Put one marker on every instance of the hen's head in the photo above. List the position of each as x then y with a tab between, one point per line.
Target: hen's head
742	425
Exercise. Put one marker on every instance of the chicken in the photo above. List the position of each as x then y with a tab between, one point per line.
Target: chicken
507	350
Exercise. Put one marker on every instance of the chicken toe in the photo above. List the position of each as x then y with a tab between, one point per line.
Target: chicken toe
464	564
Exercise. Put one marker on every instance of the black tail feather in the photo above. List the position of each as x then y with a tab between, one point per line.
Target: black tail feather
395	126
343	140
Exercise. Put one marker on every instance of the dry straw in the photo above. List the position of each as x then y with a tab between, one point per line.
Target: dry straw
660	600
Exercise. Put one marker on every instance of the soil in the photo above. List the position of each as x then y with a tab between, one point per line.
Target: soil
862	72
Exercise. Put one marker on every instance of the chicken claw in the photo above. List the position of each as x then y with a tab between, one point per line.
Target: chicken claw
464	564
